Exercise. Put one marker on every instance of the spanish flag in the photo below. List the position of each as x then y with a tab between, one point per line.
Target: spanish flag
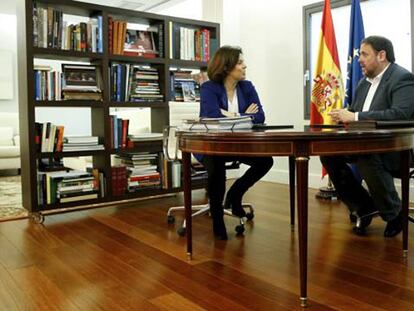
327	90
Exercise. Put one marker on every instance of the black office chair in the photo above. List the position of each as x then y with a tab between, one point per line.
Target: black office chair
172	153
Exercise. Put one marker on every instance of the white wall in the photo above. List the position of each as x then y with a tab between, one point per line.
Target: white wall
185	9
271	35
8	42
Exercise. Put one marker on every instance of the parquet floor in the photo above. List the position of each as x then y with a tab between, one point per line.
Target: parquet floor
127	257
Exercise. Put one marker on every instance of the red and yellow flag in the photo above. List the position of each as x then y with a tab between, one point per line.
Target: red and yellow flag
327	90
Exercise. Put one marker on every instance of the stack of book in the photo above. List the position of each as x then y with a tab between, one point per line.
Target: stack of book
49	137
191	43
118	180
51	30
218	124
48	83
82	143
81	82
136	83
142	170
66	186
145	137
145	85
119	132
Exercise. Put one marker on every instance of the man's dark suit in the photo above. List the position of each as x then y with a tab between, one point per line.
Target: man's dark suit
393	100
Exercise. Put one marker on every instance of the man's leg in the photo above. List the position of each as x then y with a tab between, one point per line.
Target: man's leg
380	184
349	189
377	171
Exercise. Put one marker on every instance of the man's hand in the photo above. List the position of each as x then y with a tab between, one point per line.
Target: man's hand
342	115
253	108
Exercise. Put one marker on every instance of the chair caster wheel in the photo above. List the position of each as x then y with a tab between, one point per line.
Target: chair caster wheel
37	218
181	231
170	219
239	229
250	216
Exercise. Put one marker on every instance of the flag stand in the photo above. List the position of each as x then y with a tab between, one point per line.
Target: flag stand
327	193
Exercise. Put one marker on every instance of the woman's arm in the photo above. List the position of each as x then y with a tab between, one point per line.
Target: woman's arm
253	98
209	102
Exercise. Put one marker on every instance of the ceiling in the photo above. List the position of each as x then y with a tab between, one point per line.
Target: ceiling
140	5
9	7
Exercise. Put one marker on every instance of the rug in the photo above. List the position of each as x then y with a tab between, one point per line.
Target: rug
11	198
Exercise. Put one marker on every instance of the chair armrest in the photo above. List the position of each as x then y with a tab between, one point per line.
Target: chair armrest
232	165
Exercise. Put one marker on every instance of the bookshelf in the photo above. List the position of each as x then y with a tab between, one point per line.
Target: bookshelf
102	56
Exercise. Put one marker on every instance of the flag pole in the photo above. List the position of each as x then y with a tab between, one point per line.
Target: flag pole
327	193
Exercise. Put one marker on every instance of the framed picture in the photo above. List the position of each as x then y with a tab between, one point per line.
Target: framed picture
188	91
80	77
139	41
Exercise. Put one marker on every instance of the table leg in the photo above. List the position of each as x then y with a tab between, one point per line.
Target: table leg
302	166
186	160
292	190
405	180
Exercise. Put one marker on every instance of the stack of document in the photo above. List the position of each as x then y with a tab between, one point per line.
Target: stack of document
218	124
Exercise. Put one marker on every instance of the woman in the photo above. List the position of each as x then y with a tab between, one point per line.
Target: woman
228	94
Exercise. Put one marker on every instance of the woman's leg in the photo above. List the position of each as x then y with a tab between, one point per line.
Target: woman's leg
216	186
259	166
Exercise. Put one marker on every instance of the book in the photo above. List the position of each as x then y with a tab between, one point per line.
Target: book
264	126
372	124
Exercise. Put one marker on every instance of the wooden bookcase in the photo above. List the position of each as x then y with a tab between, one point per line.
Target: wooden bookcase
100	111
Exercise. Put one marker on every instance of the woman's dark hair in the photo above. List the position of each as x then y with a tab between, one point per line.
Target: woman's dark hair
379	43
223	61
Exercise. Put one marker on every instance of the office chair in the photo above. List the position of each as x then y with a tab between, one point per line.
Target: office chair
172	153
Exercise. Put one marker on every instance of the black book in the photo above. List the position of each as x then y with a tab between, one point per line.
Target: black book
372	124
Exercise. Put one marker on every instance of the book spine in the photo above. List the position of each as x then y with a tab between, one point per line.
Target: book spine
100	34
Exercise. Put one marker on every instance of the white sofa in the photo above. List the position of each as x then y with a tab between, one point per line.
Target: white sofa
9	141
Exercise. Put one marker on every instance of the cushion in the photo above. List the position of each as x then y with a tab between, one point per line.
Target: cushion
9	151
6	136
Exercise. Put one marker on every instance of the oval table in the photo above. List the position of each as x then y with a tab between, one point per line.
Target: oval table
299	146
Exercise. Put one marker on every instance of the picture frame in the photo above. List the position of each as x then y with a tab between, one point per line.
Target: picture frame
139	42
80	77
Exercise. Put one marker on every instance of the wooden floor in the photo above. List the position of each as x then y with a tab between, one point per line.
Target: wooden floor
129	258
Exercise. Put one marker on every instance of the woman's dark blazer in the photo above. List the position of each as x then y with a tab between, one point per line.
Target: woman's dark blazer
214	97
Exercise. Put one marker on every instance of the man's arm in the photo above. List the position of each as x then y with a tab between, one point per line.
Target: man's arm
402	102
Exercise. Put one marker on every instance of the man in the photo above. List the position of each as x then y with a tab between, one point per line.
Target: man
386	93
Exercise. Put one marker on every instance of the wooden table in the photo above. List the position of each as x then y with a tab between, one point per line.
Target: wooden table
298	145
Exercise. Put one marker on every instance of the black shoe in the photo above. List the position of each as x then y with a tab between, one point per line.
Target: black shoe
236	208
394	226
219	229
362	222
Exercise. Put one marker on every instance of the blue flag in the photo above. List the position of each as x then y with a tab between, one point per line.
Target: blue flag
356	34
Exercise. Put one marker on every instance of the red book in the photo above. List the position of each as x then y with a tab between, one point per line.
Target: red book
110	25
206	45
146	177
112	133
125	124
